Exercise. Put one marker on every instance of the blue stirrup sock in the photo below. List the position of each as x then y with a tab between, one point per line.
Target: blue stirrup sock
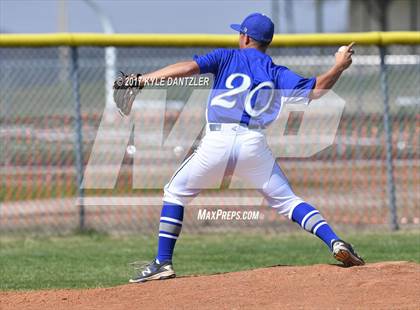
170	226
311	220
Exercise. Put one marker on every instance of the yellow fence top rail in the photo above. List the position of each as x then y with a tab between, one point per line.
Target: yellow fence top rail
204	40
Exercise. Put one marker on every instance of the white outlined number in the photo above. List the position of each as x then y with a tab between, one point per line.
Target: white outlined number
220	100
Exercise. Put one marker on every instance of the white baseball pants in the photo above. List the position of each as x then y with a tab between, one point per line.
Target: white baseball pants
243	152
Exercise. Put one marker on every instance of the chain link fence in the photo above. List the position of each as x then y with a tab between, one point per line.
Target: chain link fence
47	93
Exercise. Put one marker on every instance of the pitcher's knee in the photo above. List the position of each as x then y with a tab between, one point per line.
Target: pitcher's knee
282	198
177	196
285	206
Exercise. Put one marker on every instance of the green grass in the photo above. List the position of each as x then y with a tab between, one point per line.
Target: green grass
94	260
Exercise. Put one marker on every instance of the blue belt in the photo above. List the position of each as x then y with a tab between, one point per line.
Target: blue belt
218	127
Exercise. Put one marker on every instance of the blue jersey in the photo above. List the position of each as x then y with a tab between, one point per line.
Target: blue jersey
248	87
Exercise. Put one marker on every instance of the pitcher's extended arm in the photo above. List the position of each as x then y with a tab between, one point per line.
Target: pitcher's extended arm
326	81
180	69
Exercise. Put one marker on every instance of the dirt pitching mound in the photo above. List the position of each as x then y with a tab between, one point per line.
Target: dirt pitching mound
388	285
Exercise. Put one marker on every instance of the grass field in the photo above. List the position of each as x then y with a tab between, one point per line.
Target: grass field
93	260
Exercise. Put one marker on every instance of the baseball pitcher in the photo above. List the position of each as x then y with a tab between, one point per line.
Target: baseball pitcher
247	95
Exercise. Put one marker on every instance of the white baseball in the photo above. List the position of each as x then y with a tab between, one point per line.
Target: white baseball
178	150
131	149
342	48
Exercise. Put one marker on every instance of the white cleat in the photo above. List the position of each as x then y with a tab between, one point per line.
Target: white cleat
344	252
154	271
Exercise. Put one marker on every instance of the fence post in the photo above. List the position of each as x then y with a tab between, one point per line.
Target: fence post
78	134
392	204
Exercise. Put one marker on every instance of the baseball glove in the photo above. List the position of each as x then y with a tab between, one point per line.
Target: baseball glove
126	88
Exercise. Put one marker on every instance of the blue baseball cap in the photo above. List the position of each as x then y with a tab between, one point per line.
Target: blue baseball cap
258	26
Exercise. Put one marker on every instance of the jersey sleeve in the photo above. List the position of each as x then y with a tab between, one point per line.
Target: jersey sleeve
209	63
293	87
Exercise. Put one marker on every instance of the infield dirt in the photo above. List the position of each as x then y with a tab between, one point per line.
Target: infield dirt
386	285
